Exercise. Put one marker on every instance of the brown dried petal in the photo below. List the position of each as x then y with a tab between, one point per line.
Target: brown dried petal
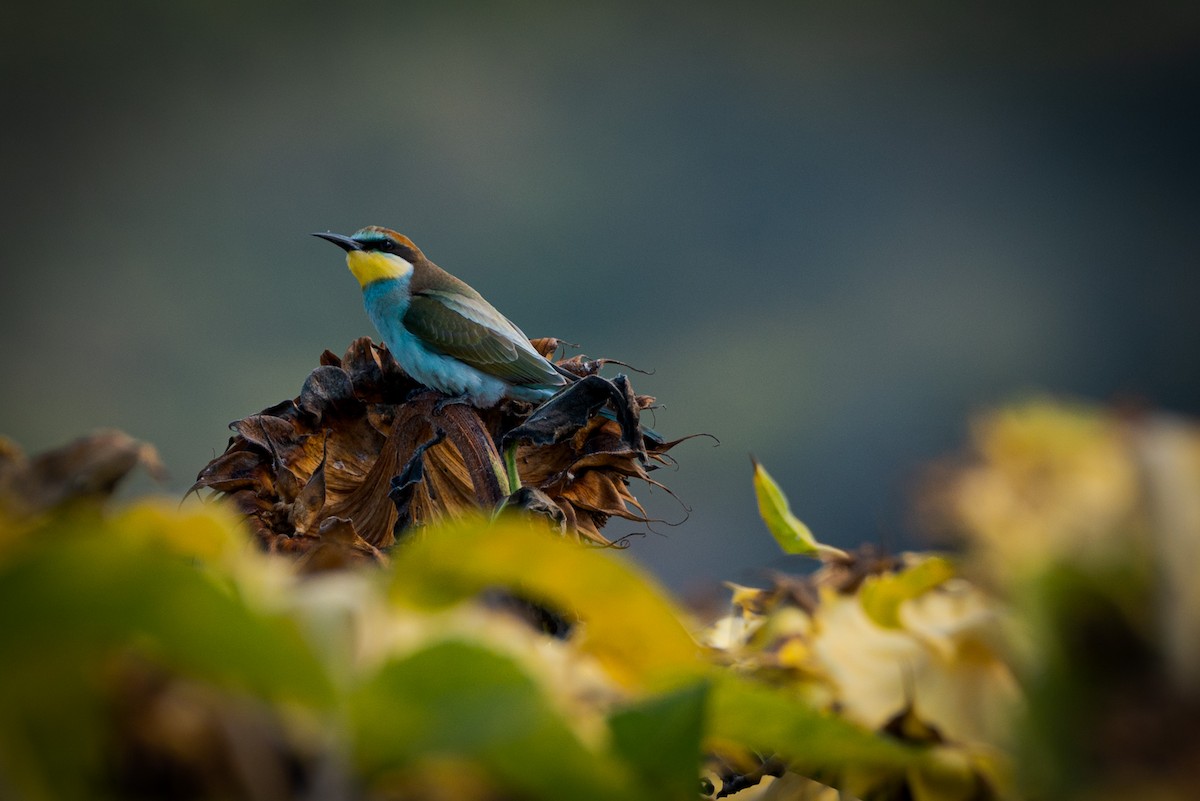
477	451
266	431
306	509
351	451
339	546
376	376
581	365
234	470
249	502
368	505
547	346
596	492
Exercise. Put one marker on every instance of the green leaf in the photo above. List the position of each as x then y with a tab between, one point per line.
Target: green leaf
52	731
660	737
81	591
791	534
773	721
100	592
881	596
461	700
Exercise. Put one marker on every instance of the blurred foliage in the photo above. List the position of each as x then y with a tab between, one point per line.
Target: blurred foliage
158	652
1087	522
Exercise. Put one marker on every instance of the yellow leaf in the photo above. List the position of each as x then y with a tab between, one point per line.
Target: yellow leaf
209	533
628	623
882	595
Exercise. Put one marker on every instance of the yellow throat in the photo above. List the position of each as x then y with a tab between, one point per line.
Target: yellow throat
371	266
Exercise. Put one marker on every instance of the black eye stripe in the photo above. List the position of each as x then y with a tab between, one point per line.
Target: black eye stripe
399	250
390	246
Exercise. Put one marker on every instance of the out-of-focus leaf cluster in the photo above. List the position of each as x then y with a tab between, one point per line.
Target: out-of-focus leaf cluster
1087	522
897	645
159	652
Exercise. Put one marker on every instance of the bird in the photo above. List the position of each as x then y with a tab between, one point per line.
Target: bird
440	330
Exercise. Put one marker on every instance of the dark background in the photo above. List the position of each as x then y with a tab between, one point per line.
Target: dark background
833	230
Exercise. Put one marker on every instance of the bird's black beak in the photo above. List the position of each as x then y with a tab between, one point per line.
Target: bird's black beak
344	242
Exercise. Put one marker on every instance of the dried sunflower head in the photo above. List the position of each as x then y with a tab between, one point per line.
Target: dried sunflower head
364	454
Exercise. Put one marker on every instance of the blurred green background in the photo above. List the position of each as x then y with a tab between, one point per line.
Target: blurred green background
832	229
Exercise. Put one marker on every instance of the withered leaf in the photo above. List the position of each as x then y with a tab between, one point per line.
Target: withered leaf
306	509
339	546
572	408
547	346
328	391
374	372
266	431
87	469
232	471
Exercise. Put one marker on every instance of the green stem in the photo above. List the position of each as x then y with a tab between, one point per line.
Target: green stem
510	468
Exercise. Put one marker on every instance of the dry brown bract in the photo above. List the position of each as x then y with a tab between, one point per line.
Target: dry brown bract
363	455
86	470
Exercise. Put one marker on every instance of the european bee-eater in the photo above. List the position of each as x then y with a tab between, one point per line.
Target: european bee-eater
441	331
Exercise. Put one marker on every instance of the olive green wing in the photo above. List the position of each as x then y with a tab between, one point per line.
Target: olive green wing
470	330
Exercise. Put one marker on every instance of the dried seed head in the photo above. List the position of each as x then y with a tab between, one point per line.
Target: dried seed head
364	455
